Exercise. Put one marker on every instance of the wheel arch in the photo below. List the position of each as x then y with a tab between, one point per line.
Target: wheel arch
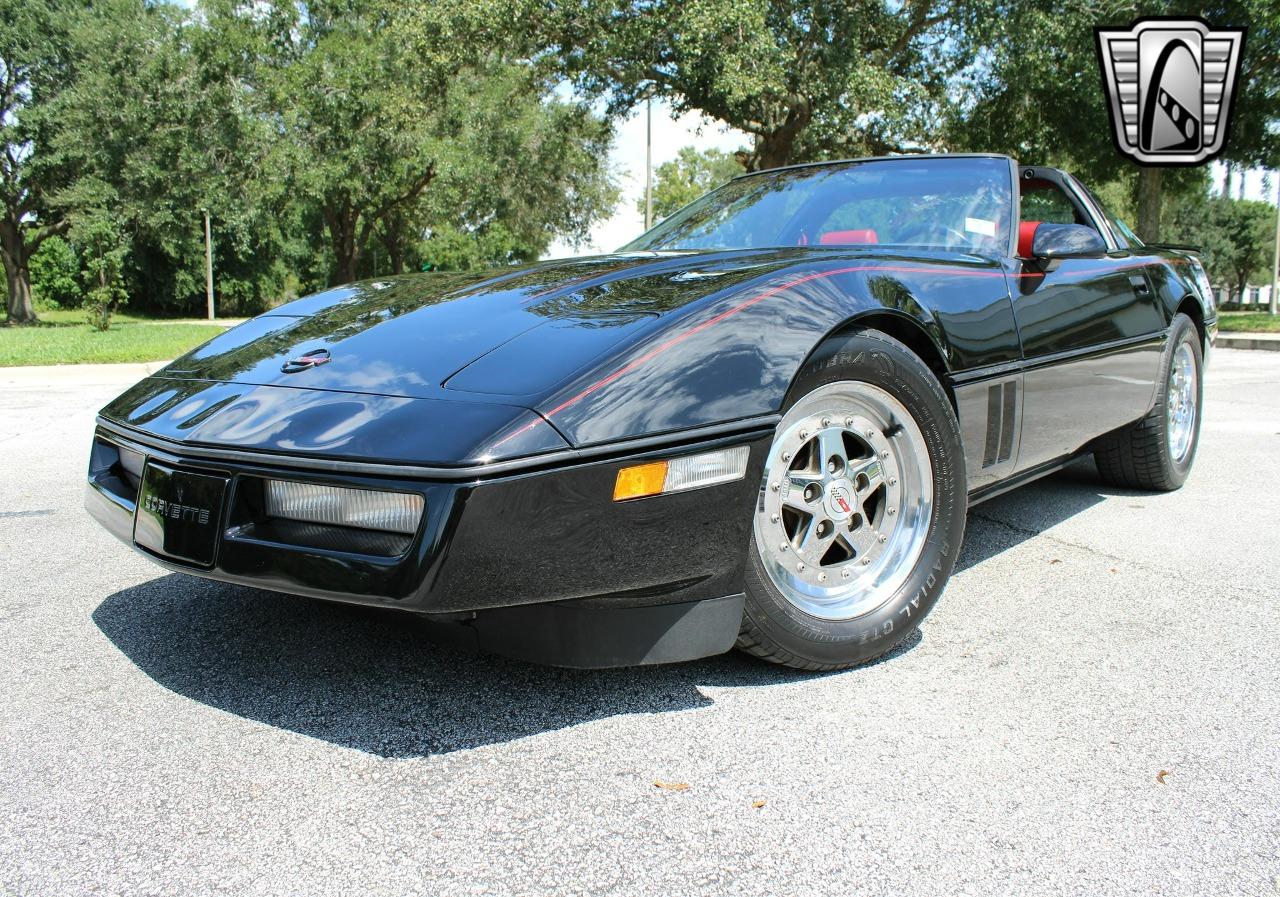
1191	307
906	329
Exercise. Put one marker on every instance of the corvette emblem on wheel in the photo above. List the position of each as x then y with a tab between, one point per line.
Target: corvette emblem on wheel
1170	83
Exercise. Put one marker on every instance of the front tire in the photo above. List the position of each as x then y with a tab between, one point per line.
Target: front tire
861	509
1157	452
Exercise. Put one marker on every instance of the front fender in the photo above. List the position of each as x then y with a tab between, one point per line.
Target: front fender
735	355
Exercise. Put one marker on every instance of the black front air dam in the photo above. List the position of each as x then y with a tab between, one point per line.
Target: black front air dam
585	635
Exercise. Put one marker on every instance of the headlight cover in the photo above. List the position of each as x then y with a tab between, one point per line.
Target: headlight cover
395	512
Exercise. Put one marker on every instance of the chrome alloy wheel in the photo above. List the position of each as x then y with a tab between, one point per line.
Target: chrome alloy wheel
1181	402
846	500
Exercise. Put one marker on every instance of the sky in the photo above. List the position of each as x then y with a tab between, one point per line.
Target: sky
627	160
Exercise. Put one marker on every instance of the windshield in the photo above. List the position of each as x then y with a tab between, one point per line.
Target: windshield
940	203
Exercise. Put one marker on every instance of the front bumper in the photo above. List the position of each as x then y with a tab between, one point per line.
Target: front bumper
527	537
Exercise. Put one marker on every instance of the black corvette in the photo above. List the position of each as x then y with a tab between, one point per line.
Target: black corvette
760	424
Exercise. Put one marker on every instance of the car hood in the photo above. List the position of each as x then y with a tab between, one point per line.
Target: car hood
408	335
439	369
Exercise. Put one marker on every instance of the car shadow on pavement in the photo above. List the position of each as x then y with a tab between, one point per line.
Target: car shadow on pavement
372	680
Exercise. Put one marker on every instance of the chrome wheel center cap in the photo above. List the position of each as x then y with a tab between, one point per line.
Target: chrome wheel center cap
840	499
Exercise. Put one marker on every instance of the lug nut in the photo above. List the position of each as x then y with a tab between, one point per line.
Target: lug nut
783	547
845	573
848	422
800	568
822	577
893	481
786	456
804	434
884	454
774	486
882	537
774	517
890	511
826	421
871	433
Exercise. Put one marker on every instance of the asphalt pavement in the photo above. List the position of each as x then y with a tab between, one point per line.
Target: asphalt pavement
1093	708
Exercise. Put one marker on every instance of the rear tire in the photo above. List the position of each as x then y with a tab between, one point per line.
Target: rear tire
861	510
1157	452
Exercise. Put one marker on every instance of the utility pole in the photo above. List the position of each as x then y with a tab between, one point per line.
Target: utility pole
648	162
1275	259
208	262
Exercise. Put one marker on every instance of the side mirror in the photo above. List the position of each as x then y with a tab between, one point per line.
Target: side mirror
1067	241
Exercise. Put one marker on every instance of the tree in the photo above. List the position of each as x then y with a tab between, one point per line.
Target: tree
178	135
105	247
1235	237
1037	94
686	177
809	79
519	168
376	128
34	67
55	275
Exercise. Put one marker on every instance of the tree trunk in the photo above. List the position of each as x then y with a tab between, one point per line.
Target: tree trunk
1149	204
346	249
17	270
18	278
395	252
775	147
772	151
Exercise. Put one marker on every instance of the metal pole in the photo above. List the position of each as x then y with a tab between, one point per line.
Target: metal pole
208	262
648	163
1275	259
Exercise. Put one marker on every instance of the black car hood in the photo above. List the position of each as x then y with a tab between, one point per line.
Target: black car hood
406	336
427	369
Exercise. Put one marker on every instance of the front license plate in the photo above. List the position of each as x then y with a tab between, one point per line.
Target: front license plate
179	513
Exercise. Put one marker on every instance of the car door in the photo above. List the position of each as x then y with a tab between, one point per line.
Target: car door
1091	328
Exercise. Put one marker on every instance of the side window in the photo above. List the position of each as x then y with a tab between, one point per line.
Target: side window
1045	201
1125	237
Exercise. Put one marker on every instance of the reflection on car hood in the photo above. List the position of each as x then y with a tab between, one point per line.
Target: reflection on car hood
407	335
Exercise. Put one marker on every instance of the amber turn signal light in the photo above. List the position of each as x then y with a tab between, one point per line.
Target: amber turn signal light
639	481
679	474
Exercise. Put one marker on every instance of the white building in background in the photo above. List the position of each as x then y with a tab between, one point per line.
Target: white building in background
1257	297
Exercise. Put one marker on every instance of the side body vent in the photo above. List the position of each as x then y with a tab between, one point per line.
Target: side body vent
1002	418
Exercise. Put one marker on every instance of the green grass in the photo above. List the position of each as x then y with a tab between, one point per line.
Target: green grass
64	337
1248	322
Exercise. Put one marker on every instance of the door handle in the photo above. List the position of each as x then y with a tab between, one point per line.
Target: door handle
1140	285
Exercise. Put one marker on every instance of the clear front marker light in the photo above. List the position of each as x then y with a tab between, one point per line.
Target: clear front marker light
393	512
679	474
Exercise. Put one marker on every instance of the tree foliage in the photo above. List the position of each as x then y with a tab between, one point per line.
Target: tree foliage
1036	93
809	79
35	67
1236	238
690	174
323	140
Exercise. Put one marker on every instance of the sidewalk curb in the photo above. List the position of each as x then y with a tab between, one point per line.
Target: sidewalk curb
1265	341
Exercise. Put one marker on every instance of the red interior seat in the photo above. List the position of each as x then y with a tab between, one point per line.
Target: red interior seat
865	236
1026	236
